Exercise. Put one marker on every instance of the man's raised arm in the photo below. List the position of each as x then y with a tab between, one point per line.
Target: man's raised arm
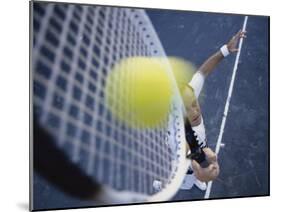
209	65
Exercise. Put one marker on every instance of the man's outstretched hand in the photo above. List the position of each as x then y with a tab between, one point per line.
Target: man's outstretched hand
232	44
209	173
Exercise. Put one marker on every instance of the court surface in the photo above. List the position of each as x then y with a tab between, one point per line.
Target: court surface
244	157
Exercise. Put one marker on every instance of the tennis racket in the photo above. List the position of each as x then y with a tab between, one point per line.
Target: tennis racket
73	49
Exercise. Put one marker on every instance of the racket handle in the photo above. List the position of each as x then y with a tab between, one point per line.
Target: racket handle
200	158
197	152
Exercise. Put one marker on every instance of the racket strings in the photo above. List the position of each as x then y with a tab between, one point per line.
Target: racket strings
74	48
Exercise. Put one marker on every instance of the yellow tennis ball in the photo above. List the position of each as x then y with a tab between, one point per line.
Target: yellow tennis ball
138	91
183	71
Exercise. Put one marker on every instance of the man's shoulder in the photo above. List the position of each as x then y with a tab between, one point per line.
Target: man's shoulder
197	83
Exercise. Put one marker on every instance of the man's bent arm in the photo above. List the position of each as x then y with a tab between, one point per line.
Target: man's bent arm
209	65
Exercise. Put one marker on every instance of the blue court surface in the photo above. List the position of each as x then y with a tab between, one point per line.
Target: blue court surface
244	158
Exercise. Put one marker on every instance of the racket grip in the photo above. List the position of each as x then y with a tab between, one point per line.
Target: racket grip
200	158
197	152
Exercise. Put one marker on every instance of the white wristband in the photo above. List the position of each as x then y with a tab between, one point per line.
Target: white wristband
224	50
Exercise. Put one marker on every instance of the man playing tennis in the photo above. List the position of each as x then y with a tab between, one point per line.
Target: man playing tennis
199	175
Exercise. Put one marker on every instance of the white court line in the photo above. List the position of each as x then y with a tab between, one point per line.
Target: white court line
208	191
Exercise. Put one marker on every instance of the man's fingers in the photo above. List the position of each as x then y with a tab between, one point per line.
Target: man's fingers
211	156
214	174
240	34
195	165
197	169
211	167
243	35
210	172
213	171
205	174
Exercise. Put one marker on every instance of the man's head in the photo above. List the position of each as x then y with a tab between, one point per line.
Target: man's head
192	106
